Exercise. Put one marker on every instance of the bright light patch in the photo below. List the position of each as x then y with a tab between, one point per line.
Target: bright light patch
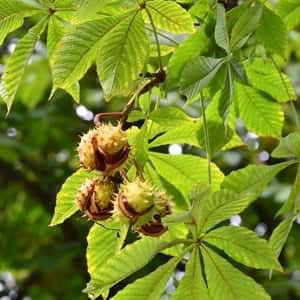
236	220
83	113
175	149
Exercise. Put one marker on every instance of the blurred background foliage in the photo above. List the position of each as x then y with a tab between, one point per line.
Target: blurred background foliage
37	152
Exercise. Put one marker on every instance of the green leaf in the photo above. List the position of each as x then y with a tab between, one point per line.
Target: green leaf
289	10
90	10
244	246
270	23
133	257
9	24
245	26
292	205
122	55
217	207
17	62
138	140
171	116
226	96
24	7
102	245
66	197
280	234
253	179
56	30
161	182
150	286
192	286
193	134
289	146
195	45
198	73
35	82
170	16
260	115
221	34
184	171
77	50
226	282
265	77
184	134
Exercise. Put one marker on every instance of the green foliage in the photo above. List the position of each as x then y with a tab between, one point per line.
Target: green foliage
170	16
199	74
288	146
17	62
226	282
244	246
270	23
192	286
127	39
218	207
118	267
151	286
260	114
252	180
65	203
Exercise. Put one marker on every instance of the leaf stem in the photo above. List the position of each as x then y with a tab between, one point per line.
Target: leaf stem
156	38
206	138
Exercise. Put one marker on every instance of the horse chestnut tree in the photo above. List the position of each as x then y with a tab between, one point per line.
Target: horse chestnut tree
225	60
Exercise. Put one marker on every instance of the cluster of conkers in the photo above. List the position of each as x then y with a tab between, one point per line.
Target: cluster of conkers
105	148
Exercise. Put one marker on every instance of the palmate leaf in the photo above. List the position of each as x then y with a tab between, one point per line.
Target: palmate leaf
228	283
90	10
292	205
184	171
289	10
77	50
122	55
193	134
280	234
23	7
102	244
179	200
260	114
217	207
184	134
221	34
17	62
170	16
56	30
265	77
192	286
171	116
150	286
245	26
244	246
65	199
195	45
270	23
9	24
118	267
289	146
253	179
198	73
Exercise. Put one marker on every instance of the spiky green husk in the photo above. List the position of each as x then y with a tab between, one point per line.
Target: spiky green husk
86	151
111	139
139	194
